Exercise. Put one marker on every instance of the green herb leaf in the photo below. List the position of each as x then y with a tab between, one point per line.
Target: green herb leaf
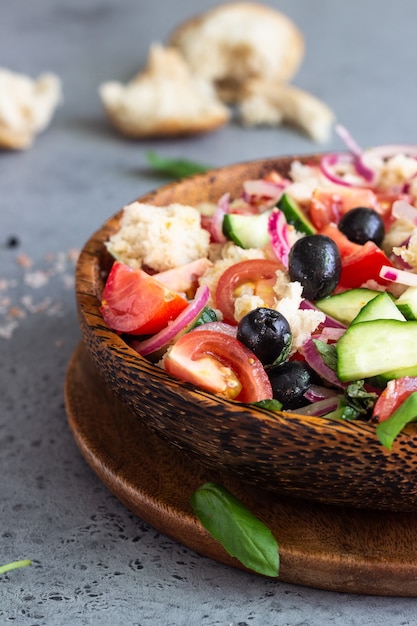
357	401
206	315
174	168
14	565
327	352
271	405
240	533
387	430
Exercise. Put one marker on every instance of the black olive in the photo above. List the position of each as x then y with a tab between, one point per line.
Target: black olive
290	381
315	262
267	333
361	225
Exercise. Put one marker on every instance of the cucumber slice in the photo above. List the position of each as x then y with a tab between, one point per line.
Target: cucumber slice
345	306
382	307
407	303
247	231
369	349
295	215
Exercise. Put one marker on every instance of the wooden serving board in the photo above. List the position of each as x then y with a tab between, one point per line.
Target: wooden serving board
325	547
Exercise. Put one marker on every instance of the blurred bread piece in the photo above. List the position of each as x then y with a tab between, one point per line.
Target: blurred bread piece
273	104
164	100
235	42
26	107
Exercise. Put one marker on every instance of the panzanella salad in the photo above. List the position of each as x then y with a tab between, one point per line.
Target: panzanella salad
298	294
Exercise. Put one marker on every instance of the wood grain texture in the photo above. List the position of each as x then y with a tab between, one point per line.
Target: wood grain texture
339	463
321	546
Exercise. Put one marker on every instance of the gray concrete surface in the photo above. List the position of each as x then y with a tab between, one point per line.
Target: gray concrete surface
94	563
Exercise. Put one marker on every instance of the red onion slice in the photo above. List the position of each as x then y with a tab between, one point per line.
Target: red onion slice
314	359
179	325
216	226
402	210
263	188
328	322
319	408
401	277
278	233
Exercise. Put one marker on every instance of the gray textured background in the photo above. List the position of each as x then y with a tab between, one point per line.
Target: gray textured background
94	562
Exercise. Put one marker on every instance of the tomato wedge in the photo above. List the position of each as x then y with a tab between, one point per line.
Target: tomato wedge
219	363
328	205
259	274
393	396
363	265
133	302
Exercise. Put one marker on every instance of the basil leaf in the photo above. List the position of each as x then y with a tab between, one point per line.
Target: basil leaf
387	430
271	405
174	168
357	401
327	352
14	565
207	315
240	533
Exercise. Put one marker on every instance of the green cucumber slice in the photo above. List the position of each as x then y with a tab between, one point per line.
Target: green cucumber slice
295	215
382	307
345	306
247	231
377	347
407	303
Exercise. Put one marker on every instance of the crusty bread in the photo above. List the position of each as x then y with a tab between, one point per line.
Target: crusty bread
163	100
234	42
26	107
273	104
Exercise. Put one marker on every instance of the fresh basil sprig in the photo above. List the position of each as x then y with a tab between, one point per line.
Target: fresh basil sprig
14	565
241	534
174	168
406	413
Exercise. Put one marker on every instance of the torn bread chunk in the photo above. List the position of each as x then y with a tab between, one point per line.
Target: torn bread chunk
164	100
274	104
159	238
235	42
26	107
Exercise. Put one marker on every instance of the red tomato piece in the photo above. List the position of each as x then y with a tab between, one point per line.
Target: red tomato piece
328	205
344	245
260	274
393	396
133	302
220	364
363	265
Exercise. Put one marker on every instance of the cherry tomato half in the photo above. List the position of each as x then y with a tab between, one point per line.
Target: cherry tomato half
133	302
260	274
219	363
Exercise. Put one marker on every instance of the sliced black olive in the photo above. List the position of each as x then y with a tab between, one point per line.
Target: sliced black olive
315	262
267	333
361	225
290	381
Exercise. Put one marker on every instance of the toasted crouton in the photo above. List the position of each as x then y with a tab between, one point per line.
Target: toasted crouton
164	100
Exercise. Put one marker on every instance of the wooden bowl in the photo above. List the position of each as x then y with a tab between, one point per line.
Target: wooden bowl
340	463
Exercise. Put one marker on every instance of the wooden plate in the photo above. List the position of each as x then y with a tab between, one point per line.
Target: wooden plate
321	546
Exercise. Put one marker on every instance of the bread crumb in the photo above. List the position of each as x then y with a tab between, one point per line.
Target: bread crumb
276	103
